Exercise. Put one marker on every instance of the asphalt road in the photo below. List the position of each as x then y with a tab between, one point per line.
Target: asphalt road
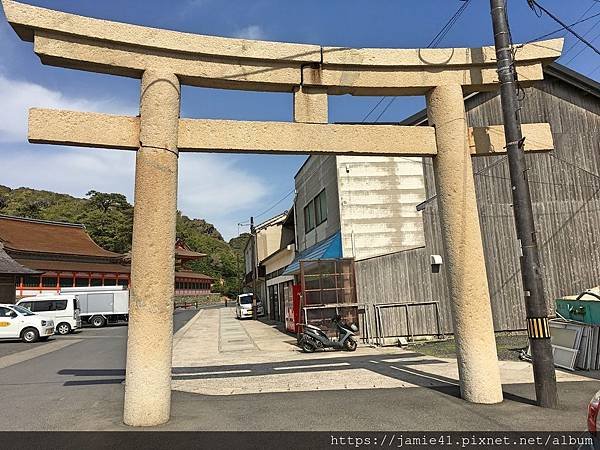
8	347
79	387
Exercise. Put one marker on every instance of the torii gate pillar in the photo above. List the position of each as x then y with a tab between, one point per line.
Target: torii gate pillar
479	373
149	342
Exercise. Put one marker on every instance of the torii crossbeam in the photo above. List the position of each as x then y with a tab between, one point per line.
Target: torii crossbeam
164	59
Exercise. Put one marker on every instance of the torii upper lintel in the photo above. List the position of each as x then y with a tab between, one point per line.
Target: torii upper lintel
72	41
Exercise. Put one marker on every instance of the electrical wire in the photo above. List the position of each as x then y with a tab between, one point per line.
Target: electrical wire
435	41
593	26
558	30
373	109
533	4
574	166
584	48
272	207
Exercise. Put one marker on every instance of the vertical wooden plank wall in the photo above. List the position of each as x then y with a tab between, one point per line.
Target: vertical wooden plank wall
565	186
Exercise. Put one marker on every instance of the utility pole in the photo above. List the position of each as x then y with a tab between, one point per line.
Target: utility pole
536	311
254	267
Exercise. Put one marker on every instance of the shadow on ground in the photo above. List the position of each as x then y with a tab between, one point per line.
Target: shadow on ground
394	366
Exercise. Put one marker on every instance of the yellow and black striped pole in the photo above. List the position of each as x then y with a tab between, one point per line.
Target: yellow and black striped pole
538	328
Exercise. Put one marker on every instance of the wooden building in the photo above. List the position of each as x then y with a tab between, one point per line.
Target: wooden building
565	189
10	274
64	255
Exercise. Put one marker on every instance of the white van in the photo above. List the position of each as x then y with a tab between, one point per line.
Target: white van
63	309
17	322
243	306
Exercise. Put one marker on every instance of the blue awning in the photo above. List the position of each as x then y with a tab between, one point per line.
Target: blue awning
330	248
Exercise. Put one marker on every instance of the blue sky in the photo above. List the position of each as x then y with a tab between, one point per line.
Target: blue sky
227	189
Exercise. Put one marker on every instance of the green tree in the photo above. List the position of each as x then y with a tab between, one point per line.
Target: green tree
107	202
108	219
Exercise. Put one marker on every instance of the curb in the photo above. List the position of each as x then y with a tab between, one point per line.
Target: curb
181	332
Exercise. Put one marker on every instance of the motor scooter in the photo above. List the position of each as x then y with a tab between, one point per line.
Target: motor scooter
313	338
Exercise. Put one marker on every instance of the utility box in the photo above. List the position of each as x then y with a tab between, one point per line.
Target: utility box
584	307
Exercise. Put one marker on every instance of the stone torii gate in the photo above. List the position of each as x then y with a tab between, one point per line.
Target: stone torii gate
164	59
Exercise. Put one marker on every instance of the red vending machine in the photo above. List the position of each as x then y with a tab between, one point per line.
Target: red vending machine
292	309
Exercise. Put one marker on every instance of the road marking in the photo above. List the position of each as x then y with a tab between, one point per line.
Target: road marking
16	358
220	372
312	366
424	376
90	337
409	358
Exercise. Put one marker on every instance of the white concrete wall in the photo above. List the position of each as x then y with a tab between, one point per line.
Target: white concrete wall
268	240
279	261
378	198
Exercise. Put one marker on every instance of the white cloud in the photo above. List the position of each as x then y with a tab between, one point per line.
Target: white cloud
18	96
251	32
212	187
190	6
67	170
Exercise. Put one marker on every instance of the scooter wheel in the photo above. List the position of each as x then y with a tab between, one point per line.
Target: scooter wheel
307	347
350	345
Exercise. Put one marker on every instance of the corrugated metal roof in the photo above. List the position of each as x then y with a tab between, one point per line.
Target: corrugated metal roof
330	248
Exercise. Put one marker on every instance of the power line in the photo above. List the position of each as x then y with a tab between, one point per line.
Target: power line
558	30
272	207
446	28
435	41
584	48
586	11
533	4
373	109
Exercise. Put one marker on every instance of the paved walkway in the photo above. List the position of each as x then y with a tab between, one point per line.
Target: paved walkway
216	354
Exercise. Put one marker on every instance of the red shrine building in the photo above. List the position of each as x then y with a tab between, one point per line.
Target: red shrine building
64	255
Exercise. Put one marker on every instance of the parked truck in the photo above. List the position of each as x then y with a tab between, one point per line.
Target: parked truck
101	305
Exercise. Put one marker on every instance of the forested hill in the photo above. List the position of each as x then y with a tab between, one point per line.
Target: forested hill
108	219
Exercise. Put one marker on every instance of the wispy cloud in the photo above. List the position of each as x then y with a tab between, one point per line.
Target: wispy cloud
189	7
213	187
251	32
18	96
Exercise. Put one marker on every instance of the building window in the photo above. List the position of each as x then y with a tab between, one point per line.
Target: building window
309	217
82	282
110	282
321	207
123	283
66	281
49	282
315	213
96	282
31	281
